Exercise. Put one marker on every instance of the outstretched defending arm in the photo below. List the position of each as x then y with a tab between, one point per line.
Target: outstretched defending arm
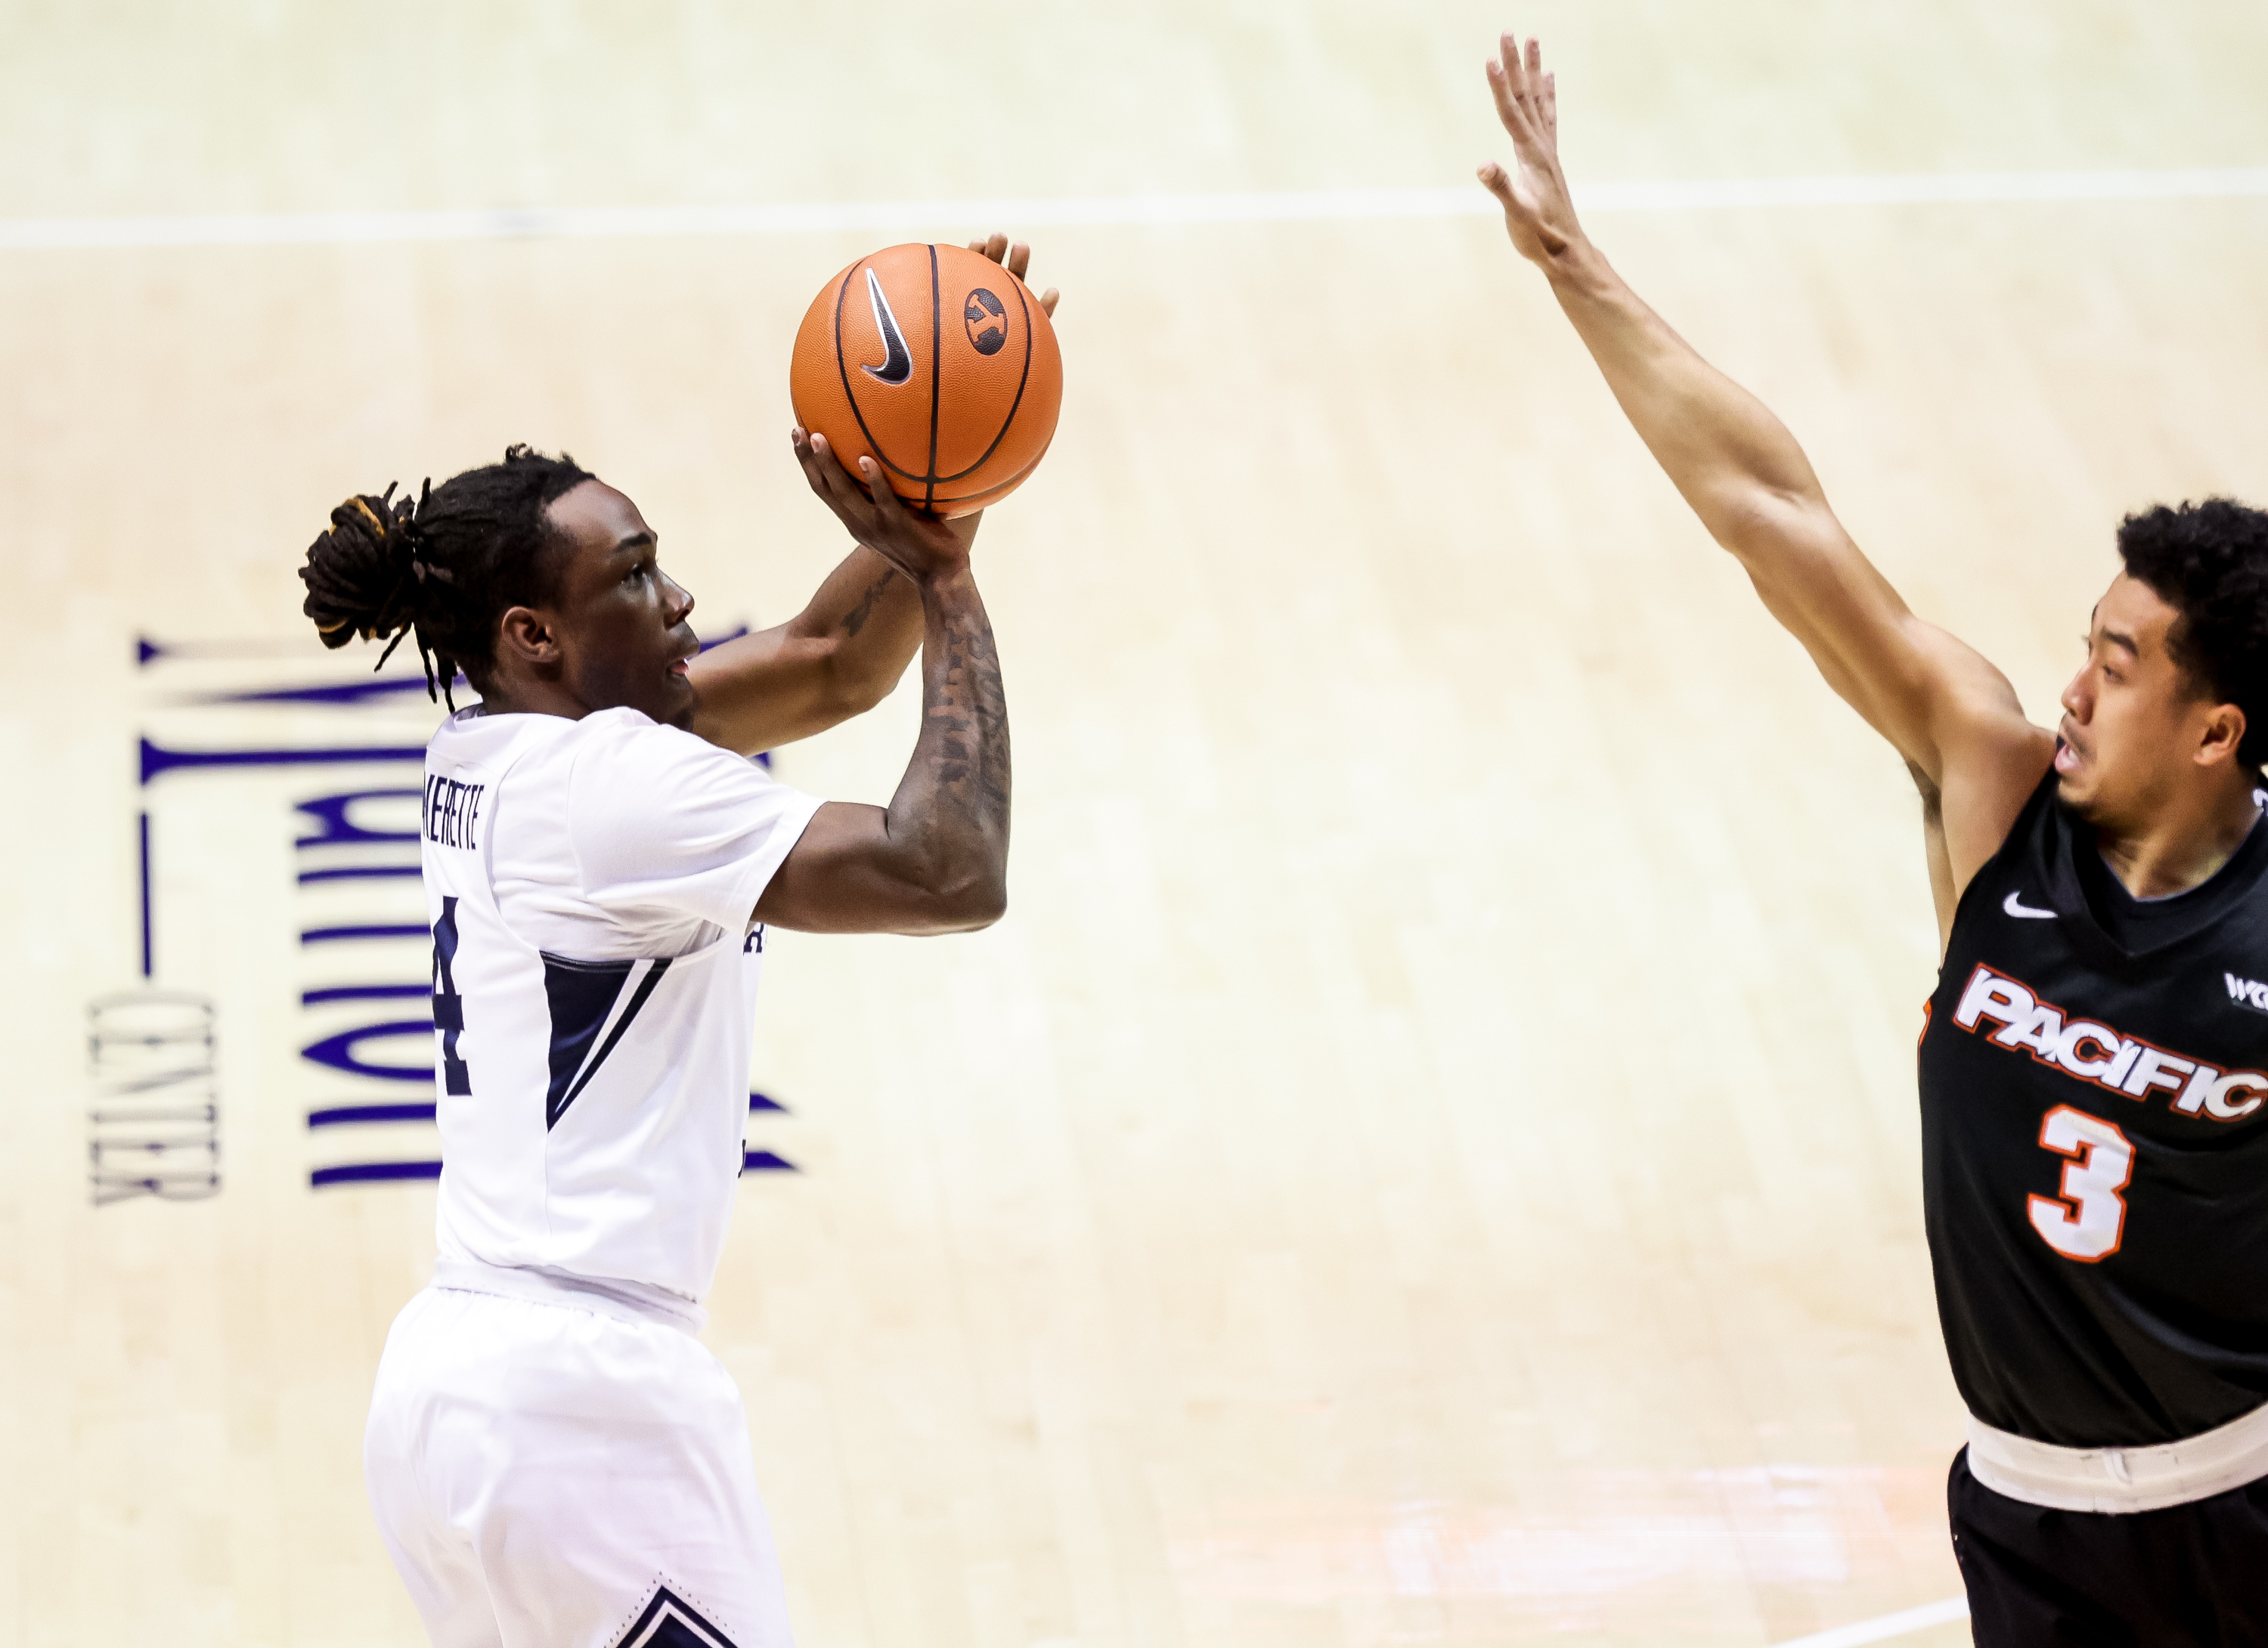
1946	710
936	859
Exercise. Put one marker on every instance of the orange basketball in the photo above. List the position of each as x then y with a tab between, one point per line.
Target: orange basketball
939	366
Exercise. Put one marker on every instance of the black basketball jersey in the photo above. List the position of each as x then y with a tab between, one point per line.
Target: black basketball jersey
2094	1143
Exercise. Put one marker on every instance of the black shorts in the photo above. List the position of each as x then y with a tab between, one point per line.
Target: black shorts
2189	1575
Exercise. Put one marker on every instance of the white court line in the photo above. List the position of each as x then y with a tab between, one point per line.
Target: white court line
1903	1623
262	229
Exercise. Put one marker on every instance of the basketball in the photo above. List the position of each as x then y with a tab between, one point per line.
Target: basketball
938	364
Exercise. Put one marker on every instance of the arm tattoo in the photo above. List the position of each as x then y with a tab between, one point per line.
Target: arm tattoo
953	806
855	620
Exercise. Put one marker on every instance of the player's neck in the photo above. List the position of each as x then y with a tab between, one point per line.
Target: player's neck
532	696
2182	845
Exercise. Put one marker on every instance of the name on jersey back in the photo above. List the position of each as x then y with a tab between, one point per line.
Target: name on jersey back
452	810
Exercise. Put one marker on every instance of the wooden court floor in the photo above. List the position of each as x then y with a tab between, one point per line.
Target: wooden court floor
1431	1155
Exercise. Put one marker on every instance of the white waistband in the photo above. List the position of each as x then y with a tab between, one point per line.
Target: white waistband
2121	1480
630	1301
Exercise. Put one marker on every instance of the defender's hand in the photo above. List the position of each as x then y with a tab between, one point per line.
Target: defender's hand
920	546
1538	214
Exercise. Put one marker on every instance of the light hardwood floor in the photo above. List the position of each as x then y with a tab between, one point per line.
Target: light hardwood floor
1431	1155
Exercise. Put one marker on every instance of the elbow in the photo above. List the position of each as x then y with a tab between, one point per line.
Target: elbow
968	902
973	908
994	904
1761	517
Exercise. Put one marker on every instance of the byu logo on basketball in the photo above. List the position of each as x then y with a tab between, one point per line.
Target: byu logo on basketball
987	322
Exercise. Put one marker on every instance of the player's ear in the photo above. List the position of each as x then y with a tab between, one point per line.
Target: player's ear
2224	736
527	634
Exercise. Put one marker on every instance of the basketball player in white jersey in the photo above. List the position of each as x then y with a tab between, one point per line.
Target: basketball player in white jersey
553	1457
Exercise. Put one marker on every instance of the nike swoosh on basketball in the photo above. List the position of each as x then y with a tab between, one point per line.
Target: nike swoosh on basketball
2014	905
898	363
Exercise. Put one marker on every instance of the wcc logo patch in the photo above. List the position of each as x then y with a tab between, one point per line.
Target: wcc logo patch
2247	992
670	1621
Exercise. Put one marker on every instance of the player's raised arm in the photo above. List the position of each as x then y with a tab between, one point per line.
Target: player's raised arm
1947	710
836	659
936	859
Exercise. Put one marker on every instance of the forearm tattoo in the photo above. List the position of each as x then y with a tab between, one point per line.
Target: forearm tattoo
973	711
956	793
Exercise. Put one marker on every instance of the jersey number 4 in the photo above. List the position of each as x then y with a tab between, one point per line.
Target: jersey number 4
2085	1221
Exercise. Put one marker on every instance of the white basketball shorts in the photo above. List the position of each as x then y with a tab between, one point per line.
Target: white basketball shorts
566	1472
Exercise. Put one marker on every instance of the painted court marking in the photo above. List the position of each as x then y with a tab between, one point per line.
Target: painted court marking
1467	200
1903	1623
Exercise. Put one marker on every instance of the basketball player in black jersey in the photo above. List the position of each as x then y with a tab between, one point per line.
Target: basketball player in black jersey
2095	1065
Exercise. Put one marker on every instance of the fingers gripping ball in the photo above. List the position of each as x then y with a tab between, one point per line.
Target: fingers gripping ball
938	364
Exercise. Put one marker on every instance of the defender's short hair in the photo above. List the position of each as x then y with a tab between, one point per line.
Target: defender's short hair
2209	561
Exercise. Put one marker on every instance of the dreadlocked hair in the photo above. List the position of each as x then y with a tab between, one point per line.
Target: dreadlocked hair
443	566
2209	561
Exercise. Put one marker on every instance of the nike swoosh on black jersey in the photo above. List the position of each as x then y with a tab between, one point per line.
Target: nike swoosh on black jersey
2014	905
898	363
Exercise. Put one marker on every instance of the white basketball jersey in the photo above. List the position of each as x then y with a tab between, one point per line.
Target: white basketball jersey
591	886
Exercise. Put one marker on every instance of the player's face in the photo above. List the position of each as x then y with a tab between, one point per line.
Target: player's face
2131	722
622	627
